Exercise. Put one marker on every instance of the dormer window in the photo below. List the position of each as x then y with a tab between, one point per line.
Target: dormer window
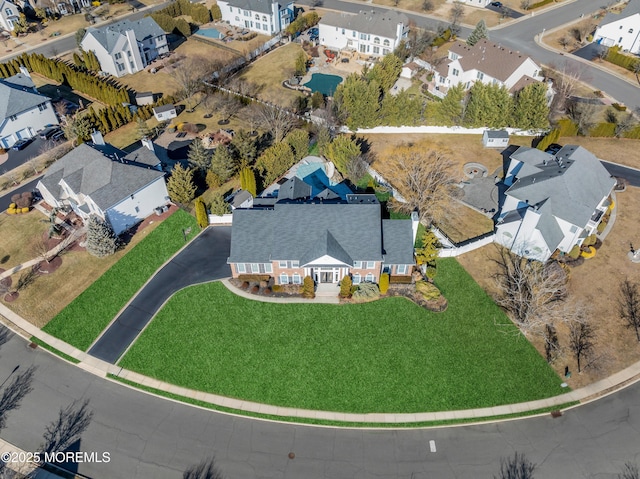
453	56
631	30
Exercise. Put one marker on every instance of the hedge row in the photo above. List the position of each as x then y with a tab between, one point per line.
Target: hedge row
603	130
540	4
625	61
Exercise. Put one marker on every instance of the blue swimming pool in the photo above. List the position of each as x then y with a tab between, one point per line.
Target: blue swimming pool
210	32
325	84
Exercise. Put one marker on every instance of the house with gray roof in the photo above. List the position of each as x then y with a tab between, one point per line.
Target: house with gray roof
23	110
326	240
9	14
371	33
268	17
127	46
97	178
552	202
486	62
621	29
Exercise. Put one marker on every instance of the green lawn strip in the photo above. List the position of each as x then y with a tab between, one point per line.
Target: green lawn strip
55	351
80	323
321	422
386	356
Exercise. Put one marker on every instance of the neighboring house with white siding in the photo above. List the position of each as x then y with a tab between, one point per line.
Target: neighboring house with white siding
621	29
127	46
97	178
268	17
552	202
369	33
23	111
9	14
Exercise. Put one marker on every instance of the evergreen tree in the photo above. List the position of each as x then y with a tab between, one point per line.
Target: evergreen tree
531	110
401	110
222	163
275	161
199	157
323	139
301	64
80	35
299	142
358	102
450	110
216	14
481	31
101	240
143	130
219	206
245	149
341	151
78	61
201	214
248	181
180	185
385	72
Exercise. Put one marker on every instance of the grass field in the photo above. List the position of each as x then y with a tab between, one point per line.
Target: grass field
80	323
386	356
17	232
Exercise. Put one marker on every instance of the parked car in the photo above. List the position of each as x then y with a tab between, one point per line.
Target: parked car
49	132
58	136
21	144
496	4
314	31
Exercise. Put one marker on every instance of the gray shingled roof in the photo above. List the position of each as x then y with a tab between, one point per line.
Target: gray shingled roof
307	231
397	236
549	227
293	189
16	96
163	108
262	6
488	57
497	134
375	23
571	191
108	35
143	156
632	8
86	170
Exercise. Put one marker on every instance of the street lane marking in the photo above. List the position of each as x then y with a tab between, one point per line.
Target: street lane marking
432	445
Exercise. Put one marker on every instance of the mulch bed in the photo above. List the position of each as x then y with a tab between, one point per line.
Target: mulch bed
128	235
51	266
11	297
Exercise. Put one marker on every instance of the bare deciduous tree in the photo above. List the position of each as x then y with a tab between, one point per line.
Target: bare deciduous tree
516	467
565	82
564	41
227	105
72	421
205	470
13	394
357	168
425	179
188	76
277	121
581	338
525	4
582	113
629	471
455	15
629	305
531	291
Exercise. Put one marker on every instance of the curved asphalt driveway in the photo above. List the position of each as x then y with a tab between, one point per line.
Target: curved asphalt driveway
204	259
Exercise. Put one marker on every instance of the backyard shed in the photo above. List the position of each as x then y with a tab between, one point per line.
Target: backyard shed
495	138
165	112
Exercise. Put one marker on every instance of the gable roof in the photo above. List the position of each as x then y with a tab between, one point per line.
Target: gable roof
108	35
17	95
107	181
397	237
488	57
376	23
497	133
262	6
632	8
570	185
307	231
163	108
293	189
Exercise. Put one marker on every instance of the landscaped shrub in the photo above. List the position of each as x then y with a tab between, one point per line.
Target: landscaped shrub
308	287
427	290
601	226
551	137
246	38
400	280
367	291
442	39
255	288
254	277
540	4
264	284
384	283
625	61
11	211
201	214
24	210
633	133
589	253
603	130
574	253
216	14
267	291
619	107
567	127
345	287
590	240
244	285
430	271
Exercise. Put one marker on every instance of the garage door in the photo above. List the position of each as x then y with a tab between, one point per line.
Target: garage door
24	133
7	141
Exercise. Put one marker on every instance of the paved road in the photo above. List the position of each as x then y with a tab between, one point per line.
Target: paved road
149	437
5	200
630	174
205	259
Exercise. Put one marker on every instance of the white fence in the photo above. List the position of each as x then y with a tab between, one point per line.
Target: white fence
458	250
220	219
381	181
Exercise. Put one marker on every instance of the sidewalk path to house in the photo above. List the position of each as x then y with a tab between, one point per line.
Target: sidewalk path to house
203	260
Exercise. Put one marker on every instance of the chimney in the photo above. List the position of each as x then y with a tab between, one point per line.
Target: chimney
148	144
25	72
96	137
415	221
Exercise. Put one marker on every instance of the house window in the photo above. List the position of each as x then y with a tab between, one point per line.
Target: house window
453	56
284	278
354	34
401	269
620	41
231	8
240	268
386	43
137	209
118	56
376	40
343	31
9	12
631	30
42	106
363	49
129	53
369	278
357	264
295	264
246	13
131	65
257	17
282	264
455	72
376	50
371	264
120	67
480	75
255	268
297	279
573	229
356	278
264	18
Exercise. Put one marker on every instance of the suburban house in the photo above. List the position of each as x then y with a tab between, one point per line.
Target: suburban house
621	29
552	202
9	14
473	3
240	199
268	17
127	46
97	178
486	62
165	112
23	111
495	138
369	33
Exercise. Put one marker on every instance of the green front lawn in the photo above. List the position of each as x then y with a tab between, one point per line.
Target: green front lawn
80	323
385	356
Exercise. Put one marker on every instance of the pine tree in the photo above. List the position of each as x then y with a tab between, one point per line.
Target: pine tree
222	163
299	142
531	110
143	129
101	240
219	206
244	148
248	181
341	151
450	110
276	160
481	31
180	185
199	157
345	287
